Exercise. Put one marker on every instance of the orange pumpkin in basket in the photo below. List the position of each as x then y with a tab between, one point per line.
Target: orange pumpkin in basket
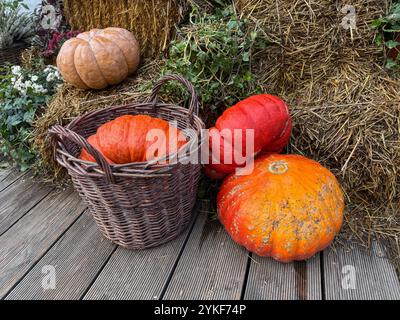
98	58
130	138
288	208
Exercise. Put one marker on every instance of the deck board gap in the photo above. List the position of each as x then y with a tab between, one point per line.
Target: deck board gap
323	293
246	276
16	179
98	273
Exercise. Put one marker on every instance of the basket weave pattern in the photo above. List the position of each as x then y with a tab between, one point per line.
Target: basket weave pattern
12	55
136	205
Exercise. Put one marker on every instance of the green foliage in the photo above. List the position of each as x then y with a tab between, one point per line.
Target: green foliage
389	36
22	95
15	25
215	53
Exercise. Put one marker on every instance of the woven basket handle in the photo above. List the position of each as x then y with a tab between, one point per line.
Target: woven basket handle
60	132
194	101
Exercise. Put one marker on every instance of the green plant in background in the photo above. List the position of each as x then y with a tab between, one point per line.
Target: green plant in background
215	53
389	36
15	25
22	95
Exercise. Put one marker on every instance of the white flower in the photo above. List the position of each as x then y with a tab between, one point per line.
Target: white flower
34	78
18	85
16	70
57	74
13	79
49	77
28	84
38	87
50	68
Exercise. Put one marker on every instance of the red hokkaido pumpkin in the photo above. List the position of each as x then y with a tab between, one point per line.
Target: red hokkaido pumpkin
211	173
268	115
125	139
288	208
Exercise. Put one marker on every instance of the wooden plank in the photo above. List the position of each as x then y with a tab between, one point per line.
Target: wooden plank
29	239
9	176
137	274
77	258
355	273
19	198
212	266
271	280
4	172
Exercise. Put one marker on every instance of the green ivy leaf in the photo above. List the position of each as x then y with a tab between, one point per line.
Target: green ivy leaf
29	116
232	24
253	35
392	44
378	39
377	23
246	56
391	64
14	120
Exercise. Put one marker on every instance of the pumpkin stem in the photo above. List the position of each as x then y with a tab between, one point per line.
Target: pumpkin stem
278	167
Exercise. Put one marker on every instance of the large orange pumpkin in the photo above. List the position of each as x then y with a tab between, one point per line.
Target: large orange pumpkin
98	58
288	208
128	139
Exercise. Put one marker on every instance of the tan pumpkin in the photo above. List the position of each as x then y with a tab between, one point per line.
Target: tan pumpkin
98	58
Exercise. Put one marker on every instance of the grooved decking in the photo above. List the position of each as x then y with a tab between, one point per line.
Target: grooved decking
42	228
212	266
278	281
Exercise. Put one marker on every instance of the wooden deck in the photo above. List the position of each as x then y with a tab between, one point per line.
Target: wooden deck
42	228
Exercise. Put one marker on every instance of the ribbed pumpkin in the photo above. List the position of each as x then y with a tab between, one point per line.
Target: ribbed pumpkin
98	58
266	114
288	208
125	139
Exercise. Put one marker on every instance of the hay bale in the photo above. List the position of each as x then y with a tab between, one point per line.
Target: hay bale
152	22
69	103
308	40
359	140
346	108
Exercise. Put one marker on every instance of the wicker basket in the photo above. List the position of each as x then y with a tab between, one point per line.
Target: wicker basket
136	205
12	55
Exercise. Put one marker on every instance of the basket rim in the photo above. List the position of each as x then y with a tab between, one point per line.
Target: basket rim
134	104
151	107
147	168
